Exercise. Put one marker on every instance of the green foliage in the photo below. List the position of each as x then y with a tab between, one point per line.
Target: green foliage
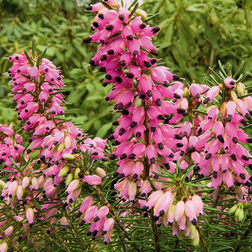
196	34
60	25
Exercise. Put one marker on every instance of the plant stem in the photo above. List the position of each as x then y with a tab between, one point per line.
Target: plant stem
155	232
247	232
74	228
53	229
17	248
214	205
111	211
211	61
203	241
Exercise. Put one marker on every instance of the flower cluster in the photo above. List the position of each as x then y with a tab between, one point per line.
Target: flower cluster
150	100
219	137
162	159
60	145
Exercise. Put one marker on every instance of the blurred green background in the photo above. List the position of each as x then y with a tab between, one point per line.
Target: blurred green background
195	34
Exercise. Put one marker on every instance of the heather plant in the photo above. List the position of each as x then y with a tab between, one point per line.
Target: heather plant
174	175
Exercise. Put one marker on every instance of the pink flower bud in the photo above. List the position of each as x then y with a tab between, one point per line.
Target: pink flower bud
86	203
92	180
34	72
19	192
145	188
153	199
35	183
101	213
108	225
72	186
180	208
63	222
8	231
191	211
30	215
229	82
3	247
132	191
90	213
198	203
151	153
211	94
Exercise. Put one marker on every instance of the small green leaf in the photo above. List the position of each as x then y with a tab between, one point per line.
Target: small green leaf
33	48
134	2
106	5
242	77
28	58
222	68
211	209
133	11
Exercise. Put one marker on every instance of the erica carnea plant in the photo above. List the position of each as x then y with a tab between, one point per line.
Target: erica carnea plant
179	155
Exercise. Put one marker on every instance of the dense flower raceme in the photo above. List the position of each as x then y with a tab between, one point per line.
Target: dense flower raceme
150	99
60	144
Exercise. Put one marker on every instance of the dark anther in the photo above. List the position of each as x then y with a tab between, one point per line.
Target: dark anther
123	156
87	40
167	166
177	136
155	29
125	112
161	117
152	160
179	145
133	124
101	16
242	175
149	93
175	77
158	102
95	24
130	75
138	134
81	175
249	140
115	142
147	64
122	63
233	157
118	79
130	37
121	131
245	157
121	17
135	176
109	27
103	57
215	174
153	129
181	111
102	69
206	100
153	61
191	149
220	138
154	52
235	140
110	52
194	221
